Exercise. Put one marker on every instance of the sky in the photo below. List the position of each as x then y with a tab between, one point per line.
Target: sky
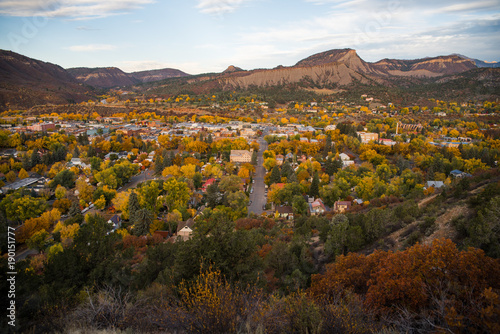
201	36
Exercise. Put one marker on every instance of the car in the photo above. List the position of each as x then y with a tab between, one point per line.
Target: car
249	203
253	181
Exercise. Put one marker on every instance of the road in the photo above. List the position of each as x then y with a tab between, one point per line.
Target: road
258	196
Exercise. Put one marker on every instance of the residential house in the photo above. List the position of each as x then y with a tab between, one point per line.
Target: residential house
341	206
317	207
285	211
115	222
42	127
458	173
435	184
185	233
279	159
330	127
206	184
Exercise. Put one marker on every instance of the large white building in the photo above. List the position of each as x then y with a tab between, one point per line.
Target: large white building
240	156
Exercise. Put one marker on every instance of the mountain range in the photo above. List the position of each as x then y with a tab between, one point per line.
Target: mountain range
25	82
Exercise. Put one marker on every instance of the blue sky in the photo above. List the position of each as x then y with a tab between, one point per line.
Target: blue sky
199	36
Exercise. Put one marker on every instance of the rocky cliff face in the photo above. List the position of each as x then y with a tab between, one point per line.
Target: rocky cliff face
25	82
427	67
105	77
157	75
343	67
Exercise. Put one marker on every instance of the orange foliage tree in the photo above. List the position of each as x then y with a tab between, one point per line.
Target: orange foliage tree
438	280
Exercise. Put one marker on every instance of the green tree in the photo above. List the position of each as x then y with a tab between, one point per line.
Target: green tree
133	207
275	175
65	178
177	194
144	218
314	189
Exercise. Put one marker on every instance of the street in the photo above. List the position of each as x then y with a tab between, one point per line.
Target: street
258	197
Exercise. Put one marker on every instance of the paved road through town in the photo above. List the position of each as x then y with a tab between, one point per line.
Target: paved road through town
258	197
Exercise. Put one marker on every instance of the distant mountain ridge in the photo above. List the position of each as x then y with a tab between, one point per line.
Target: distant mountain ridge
109	77
26	82
481	63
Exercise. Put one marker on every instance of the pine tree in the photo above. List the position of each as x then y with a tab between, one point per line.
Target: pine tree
314	190
143	218
328	146
275	175
133	207
286	169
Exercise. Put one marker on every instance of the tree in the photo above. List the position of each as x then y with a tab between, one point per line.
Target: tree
314	189
38	240
10	176
60	192
269	163
143	220
19	207
133	206
197	180
177	194
212	195
85	190
230	183
22	174
100	203
275	175
299	205
65	178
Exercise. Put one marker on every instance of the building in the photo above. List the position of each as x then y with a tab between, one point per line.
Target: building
285	211
366	137
115	222
279	159
185	233
240	156
317	207
341	206
330	127
42	127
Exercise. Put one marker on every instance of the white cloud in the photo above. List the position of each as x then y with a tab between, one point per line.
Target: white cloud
219	7
91	47
74	9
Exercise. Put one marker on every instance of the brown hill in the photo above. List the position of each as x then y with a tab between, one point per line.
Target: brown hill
427	67
105	77
25	82
232	69
344	67
157	75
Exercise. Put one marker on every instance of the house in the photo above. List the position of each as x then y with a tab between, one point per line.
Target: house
330	127
279	159
387	142
206	184
435	184
185	233
344	157
116	222
341	206
317	207
240	156
289	157
346	163
458	173
285	211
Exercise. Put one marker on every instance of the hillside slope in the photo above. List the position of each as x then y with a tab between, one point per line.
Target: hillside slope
25	82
